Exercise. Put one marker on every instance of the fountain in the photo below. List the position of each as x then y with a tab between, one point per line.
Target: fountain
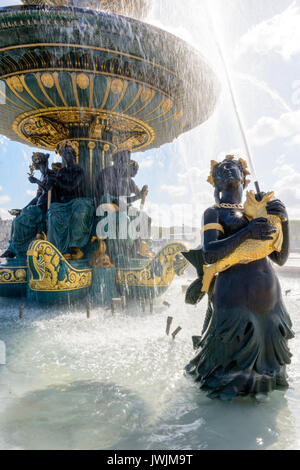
97	79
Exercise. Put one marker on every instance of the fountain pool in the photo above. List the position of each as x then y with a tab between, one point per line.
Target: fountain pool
118	383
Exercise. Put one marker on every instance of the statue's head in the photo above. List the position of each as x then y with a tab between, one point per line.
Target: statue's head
56	166
230	173
133	168
68	151
40	159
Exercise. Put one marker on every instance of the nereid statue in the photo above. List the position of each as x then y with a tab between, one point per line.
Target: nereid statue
244	348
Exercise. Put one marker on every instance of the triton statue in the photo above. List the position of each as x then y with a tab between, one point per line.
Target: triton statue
244	348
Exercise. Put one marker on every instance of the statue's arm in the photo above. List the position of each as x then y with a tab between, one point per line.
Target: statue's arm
41	184
277	208
131	199
282	257
216	248
138	194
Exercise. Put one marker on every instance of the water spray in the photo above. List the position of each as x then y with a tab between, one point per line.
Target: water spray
123	301
116	305
233	96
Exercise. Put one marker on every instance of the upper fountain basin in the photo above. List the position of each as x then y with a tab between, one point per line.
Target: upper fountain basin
64	71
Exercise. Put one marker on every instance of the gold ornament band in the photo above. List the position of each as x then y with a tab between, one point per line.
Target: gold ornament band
226	205
213	227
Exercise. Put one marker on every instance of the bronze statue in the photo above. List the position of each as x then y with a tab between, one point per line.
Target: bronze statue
116	184
70	218
30	221
117	180
244	348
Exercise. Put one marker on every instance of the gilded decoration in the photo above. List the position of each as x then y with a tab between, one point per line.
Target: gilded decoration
15	83
117	86
43	132
147	95
159	272
151	93
250	250
49	271
47	80
127	132
83	81
13	275
96	128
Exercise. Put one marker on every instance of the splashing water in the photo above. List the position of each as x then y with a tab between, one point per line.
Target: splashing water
117	382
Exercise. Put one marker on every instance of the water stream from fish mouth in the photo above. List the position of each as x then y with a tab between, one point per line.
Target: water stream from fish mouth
117	382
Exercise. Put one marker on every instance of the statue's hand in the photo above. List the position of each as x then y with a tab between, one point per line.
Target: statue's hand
276	207
33	180
261	229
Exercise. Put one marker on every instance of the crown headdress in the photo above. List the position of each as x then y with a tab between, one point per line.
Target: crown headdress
240	161
69	143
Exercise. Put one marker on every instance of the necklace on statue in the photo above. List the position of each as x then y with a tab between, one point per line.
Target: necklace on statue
225	205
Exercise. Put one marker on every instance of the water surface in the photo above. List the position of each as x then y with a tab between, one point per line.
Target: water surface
117	382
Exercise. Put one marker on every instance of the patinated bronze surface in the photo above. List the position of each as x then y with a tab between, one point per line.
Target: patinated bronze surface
244	349
70	219
117	180
30	221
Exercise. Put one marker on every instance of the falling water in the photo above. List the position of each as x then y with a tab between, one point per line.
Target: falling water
116	381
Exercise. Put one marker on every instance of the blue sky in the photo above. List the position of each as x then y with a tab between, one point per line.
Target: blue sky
261	41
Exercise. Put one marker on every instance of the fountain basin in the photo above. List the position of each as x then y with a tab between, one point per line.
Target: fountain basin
77	74
103	83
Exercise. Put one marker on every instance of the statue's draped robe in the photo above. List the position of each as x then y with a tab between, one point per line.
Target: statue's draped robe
70	221
30	222
244	349
115	186
115	225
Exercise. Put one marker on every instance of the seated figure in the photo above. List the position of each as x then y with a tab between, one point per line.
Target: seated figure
30	221
70	219
117	180
116	184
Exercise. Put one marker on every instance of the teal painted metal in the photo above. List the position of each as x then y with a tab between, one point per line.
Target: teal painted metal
105	82
104	287
103	46
13	278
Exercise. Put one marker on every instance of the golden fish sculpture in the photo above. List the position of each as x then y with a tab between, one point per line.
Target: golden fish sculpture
250	250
